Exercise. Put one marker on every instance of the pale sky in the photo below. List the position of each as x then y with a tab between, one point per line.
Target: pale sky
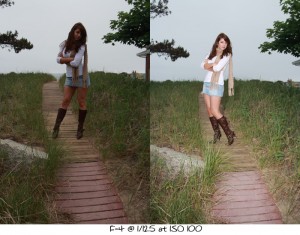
195	24
47	23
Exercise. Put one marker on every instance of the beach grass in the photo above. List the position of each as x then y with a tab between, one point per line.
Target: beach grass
26	189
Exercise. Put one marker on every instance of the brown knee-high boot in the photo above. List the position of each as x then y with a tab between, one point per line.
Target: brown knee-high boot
229	133
216	128
59	118
81	118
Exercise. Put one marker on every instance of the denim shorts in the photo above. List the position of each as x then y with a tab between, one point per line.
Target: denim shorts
218	91
78	83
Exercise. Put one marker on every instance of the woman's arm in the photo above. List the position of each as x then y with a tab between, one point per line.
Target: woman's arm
77	59
206	65
60	53
210	69
64	60
219	66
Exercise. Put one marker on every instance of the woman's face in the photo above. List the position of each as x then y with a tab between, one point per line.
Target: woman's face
222	44
77	34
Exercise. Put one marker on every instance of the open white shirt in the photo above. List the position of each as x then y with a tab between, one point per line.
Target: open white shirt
77	62
219	67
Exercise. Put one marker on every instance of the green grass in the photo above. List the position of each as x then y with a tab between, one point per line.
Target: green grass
267	114
26	189
176	200
175	123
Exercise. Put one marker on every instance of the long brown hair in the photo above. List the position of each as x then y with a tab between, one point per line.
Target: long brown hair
228	49
71	43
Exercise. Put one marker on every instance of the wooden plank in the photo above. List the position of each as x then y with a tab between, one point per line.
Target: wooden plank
89	202
85	195
99	215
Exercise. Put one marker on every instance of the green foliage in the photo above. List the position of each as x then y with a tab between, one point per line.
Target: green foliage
6	3
133	27
286	34
9	39
159	9
167	49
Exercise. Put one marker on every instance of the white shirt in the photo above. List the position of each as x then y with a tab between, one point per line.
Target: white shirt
219	67
77	62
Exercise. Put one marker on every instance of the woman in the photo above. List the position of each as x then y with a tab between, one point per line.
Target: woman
213	87
71	52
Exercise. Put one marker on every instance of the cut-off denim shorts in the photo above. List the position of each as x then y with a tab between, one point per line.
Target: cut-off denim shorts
78	83
218	91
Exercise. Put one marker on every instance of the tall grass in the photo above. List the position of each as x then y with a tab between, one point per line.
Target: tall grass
25	189
118	121
267	114
175	123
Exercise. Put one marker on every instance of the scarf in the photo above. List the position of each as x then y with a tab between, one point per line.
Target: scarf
75	71
216	75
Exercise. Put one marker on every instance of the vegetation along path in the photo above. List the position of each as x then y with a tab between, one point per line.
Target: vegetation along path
241	195
84	189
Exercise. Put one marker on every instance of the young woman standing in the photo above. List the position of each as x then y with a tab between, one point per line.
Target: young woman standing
213	87
71	52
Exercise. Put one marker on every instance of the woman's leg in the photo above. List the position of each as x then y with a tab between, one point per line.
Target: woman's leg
68	93
81	98
207	104
213	120
215	109
215	102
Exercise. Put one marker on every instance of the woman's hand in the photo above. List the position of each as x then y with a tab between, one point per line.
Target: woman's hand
66	60
208	65
210	69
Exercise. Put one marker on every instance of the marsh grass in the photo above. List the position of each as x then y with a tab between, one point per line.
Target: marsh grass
267	114
118	122
26	189
175	123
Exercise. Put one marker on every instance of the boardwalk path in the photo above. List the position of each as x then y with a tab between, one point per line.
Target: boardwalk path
84	189
241	196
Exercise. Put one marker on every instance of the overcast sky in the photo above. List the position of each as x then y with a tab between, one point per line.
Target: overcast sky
195	25
47	23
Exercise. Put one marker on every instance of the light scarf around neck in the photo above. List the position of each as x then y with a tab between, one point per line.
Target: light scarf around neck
216	75
75	71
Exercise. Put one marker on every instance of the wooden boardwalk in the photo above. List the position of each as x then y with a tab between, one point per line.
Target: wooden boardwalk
241	195
84	188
